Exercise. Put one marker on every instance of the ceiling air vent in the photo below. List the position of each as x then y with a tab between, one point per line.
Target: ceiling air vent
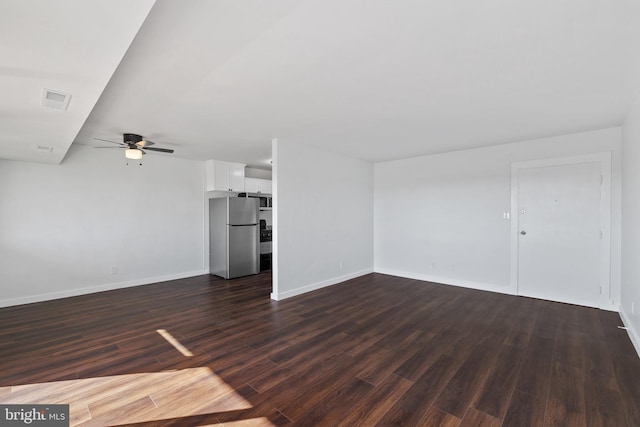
44	148
54	99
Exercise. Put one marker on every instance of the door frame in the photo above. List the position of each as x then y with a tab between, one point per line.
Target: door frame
604	159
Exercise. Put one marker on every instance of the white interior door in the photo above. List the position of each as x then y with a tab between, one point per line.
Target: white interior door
559	233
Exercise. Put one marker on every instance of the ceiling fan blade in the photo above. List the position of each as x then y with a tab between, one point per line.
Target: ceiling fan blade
162	150
106	140
111	147
144	143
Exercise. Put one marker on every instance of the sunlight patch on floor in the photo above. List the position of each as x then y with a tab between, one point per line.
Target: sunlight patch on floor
174	342
135	398
252	422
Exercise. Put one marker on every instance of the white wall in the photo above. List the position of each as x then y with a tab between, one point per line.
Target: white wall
323	219
64	227
440	217
630	309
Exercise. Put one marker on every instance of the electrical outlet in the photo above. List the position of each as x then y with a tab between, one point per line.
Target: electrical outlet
114	271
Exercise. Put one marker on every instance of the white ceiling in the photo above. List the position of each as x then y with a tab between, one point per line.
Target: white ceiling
70	46
373	79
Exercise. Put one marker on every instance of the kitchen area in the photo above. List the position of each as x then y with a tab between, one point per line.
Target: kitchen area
240	219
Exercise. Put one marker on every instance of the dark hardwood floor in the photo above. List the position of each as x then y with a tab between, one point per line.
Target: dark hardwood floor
373	351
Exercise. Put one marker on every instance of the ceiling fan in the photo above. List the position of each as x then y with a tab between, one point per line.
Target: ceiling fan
135	146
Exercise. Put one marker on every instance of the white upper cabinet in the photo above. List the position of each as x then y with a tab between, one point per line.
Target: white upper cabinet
224	176
256	185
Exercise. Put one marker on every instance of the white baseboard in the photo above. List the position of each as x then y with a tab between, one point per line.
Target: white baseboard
319	285
448	281
610	307
99	288
508	290
633	334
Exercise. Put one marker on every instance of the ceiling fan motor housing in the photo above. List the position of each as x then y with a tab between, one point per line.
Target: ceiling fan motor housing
131	138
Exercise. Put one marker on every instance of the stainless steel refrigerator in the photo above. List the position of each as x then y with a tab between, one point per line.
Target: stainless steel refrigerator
234	237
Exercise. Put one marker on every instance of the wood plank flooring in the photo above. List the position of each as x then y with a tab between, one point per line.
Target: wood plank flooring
374	351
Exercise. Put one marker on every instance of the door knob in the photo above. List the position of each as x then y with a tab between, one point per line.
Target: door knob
523	232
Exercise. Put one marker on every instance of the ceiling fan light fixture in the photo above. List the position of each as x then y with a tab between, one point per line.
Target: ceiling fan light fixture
133	154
